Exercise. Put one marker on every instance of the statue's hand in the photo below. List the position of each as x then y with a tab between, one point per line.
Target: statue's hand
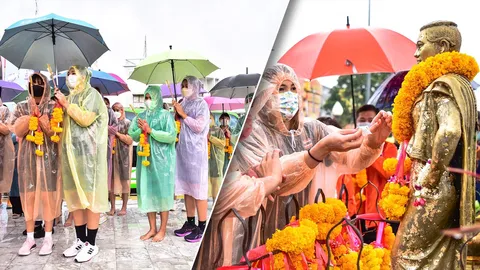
432	179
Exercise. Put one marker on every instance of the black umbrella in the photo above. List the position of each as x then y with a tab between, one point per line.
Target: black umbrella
238	86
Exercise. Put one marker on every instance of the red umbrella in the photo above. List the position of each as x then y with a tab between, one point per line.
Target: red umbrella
350	51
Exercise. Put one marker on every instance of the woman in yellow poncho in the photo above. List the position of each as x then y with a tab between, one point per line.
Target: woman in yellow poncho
84	166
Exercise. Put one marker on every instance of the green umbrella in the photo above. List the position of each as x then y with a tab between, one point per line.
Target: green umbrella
172	64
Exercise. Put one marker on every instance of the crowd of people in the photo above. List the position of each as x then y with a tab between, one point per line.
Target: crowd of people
78	149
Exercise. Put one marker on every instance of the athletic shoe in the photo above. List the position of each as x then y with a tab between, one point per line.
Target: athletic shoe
27	247
195	236
47	246
74	249
186	229
87	253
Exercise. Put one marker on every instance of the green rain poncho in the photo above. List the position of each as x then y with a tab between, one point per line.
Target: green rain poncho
84	147
155	183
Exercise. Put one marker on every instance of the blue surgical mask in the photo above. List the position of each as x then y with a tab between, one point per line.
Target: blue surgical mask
288	104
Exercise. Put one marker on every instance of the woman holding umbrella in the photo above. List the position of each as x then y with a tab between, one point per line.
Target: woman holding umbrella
84	163
192	158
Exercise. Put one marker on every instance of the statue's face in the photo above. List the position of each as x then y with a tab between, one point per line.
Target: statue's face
425	48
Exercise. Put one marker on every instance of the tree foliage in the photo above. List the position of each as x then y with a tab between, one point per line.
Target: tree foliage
342	92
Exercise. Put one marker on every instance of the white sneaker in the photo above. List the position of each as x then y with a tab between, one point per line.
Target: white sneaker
27	247
47	246
74	249
87	253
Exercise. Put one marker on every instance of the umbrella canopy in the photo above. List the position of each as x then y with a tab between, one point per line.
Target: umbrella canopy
54	40
8	90
385	94
350	51
172	65
107	84
166	93
220	103
238	86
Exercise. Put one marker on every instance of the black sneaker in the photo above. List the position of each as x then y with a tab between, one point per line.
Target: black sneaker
195	236
186	229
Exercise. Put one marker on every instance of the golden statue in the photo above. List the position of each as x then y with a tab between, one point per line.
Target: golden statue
443	135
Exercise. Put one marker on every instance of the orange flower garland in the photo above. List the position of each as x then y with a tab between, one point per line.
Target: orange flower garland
144	149
178	126
293	241
36	135
325	215
418	79
55	121
394	200
390	165
361	178
114	144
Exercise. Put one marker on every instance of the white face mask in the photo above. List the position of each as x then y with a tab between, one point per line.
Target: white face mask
363	124
288	104
72	81
148	102
117	114
187	92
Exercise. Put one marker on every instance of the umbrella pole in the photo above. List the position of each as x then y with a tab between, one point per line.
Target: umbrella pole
223	107
173	75
353	102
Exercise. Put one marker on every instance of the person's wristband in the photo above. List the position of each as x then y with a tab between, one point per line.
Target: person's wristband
310	154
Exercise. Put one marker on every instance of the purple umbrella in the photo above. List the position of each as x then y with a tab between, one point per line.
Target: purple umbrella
9	90
168	93
388	90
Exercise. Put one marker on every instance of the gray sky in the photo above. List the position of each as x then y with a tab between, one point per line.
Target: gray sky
305	17
231	34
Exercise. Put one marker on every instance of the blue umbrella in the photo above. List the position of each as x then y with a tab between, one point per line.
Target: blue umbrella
54	40
107	84
8	90
388	90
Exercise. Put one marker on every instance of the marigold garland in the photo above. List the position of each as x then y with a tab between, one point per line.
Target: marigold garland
348	261
178	125
360	178
372	257
114	144
418	79
388	237
57	119
390	165
293	241
144	149
325	215
208	145
394	200
36	135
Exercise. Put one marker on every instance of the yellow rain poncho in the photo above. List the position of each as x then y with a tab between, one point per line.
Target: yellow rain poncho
38	176
7	151
216	159
84	147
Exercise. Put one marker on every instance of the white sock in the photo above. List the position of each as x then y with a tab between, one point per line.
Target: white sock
48	234
30	235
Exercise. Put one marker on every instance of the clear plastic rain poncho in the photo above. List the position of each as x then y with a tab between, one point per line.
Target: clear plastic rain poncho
122	158
155	183
84	147
7	151
217	157
39	178
192	153
267	133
